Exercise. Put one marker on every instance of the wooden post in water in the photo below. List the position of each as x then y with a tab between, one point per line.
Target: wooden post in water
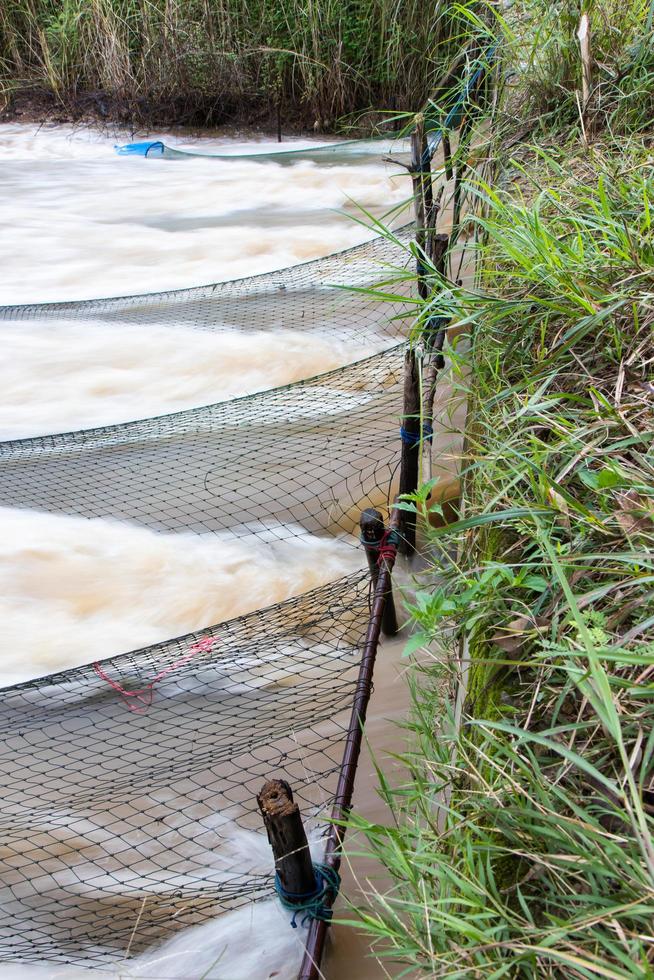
435	330
287	838
373	530
447	154
423	197
425	215
410	454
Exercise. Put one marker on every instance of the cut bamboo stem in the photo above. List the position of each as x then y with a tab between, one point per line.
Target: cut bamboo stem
583	35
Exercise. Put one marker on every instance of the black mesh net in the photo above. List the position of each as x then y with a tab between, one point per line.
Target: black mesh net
127	786
301	298
304	458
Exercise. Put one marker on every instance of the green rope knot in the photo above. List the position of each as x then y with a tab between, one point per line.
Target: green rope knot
312	904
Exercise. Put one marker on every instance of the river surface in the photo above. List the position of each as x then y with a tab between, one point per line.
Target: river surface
81	222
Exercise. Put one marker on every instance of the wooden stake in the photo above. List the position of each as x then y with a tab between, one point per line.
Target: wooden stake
583	35
423	197
410	458
447	154
287	838
372	527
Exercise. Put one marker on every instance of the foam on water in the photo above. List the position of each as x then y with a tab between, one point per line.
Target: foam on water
62	376
255	942
86	223
74	591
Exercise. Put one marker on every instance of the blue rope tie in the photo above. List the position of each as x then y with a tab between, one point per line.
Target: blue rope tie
415	438
328	883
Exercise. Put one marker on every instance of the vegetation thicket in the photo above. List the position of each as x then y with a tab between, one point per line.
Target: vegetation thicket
211	61
521	844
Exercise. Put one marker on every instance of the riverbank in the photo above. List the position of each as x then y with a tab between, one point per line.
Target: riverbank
522	844
101	110
171	63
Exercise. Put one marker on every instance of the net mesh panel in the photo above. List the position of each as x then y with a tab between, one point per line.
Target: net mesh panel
121	828
301	298
304	458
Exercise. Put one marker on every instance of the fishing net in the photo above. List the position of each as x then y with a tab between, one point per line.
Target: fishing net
129	786
303	458
301	298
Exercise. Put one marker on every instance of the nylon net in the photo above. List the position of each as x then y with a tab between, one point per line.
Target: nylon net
127	819
300	298
284	462
129	785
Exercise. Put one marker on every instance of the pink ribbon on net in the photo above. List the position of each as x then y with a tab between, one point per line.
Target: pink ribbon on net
145	695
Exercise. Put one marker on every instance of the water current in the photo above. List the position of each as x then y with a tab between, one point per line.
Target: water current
80	222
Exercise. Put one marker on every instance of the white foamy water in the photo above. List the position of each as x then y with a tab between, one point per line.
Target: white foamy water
82	222
74	591
251	943
59	376
255	942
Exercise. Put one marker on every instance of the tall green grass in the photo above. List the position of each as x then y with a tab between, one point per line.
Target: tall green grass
522	843
213	58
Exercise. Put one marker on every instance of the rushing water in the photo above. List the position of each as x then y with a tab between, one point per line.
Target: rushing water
83	222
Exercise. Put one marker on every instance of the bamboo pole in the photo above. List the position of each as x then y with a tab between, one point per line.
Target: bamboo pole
310	969
426	210
373	532
410	451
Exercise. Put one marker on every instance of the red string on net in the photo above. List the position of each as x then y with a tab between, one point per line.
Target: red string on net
145	695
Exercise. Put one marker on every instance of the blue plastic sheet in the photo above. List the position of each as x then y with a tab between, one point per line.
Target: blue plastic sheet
155	149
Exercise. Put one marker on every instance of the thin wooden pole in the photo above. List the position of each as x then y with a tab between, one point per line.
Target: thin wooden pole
373	531
447	154
310	969
426	211
423	199
410	452
434	334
